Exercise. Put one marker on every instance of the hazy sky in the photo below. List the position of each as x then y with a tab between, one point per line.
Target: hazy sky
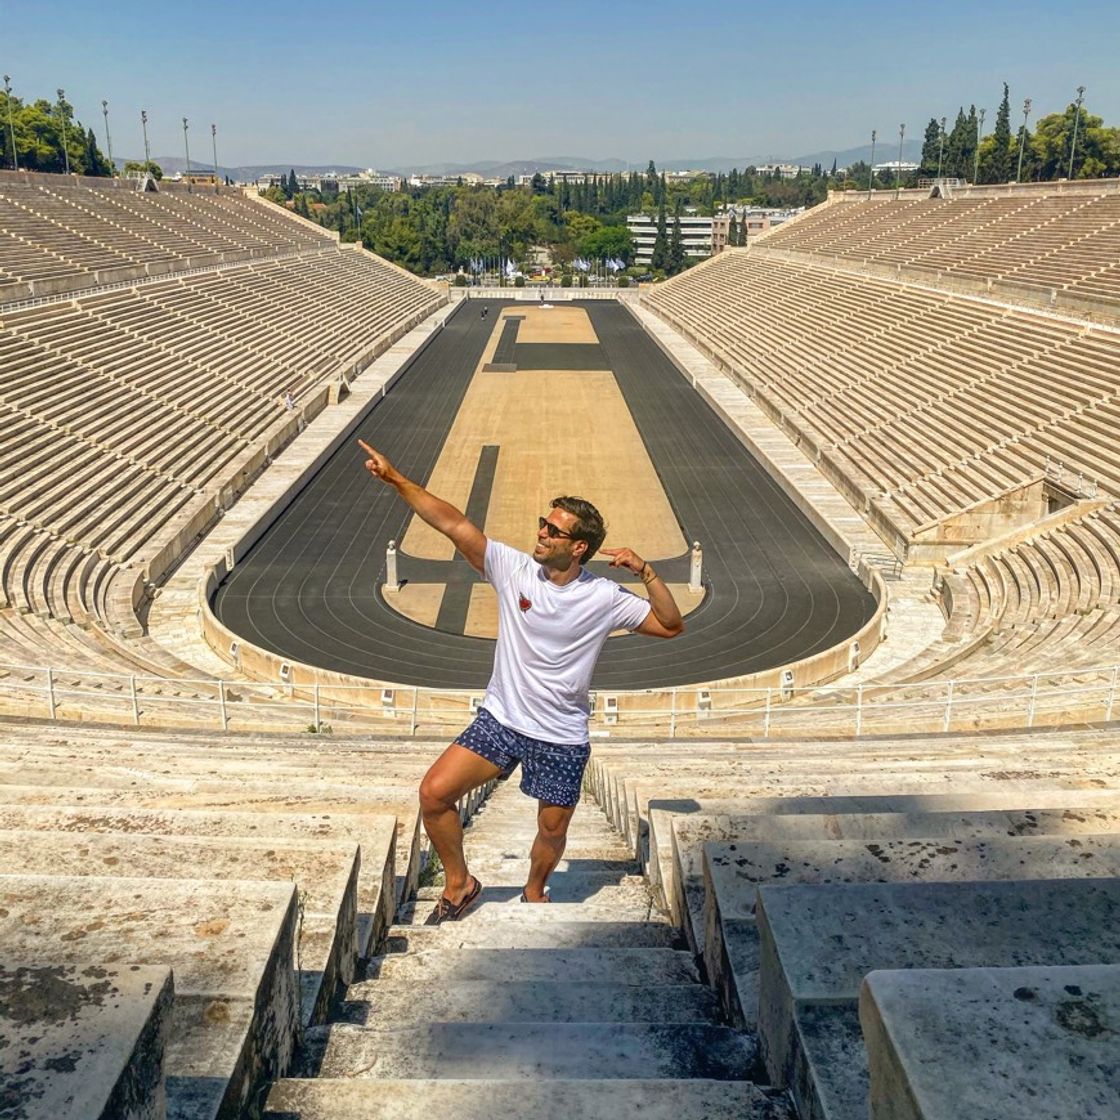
401	84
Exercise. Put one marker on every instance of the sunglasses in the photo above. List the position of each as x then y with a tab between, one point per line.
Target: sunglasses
554	531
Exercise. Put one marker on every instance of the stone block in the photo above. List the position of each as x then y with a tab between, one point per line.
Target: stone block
817	943
1057	812
229	946
325	875
263	799
375	832
83	1040
1002	1043
734	872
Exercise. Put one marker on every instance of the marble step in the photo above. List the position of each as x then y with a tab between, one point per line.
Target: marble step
611	905
607	965
386	1005
507	877
562	933
533	1051
656	1099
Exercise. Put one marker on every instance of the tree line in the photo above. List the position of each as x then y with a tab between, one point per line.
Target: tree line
1011	151
440	229
48	137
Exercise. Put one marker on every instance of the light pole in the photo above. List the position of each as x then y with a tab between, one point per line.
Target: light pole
1023	138
871	169
214	141
11	127
979	133
147	153
62	111
108	138
187	148
940	146
898	166
1076	121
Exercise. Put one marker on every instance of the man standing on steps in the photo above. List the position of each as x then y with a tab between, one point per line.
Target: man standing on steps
553	619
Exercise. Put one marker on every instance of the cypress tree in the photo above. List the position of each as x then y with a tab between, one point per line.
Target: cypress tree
999	162
960	146
931	145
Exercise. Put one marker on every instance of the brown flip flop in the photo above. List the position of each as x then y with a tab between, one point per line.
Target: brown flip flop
448	911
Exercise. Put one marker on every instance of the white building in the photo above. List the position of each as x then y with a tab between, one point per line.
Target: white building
701	237
380	179
892	166
784	170
760	219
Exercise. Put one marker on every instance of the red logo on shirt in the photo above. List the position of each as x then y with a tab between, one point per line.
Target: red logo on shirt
524	603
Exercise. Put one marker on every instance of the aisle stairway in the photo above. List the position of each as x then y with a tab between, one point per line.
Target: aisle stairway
587	1007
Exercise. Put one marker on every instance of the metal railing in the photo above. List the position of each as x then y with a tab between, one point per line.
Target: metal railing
958	704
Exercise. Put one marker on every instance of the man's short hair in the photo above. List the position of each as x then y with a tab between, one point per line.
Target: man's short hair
589	525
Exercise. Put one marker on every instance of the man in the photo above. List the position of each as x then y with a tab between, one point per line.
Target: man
553	619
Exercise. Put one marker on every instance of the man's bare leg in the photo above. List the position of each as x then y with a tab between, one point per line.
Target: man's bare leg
455	773
548	847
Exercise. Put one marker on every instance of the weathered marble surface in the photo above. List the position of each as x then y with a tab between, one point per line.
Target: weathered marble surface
999	1043
83	1040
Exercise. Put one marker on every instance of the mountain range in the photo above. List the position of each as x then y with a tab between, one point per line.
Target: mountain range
498	169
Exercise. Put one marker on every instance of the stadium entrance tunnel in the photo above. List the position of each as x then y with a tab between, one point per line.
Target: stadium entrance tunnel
310	590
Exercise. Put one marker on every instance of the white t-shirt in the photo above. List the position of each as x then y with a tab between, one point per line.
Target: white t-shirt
549	639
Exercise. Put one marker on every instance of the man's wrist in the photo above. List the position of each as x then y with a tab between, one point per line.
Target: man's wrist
647	575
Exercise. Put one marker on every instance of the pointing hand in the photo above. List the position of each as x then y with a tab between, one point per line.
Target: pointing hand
377	464
624	558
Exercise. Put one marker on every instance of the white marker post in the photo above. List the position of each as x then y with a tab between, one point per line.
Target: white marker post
391	581
696	568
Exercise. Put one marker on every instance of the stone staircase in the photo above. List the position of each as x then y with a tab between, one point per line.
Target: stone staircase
587	1007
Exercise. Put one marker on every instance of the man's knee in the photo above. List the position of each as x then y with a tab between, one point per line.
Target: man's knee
552	823
435	796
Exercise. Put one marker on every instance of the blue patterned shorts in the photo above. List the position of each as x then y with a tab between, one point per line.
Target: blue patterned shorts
551	772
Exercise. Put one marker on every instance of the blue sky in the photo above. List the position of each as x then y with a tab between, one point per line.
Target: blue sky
400	85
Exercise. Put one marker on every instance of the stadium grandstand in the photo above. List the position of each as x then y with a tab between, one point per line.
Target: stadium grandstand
875	873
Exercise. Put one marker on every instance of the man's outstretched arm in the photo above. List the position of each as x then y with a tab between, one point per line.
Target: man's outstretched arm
467	537
664	619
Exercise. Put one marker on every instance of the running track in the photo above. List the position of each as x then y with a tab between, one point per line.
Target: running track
776	591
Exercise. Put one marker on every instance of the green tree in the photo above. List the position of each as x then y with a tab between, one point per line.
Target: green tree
140	167
960	147
931	147
675	257
996	158
609	242
93	162
39	134
1098	147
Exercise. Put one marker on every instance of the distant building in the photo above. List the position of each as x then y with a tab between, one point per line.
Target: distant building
903	167
372	178
785	170
701	236
444	180
760	219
